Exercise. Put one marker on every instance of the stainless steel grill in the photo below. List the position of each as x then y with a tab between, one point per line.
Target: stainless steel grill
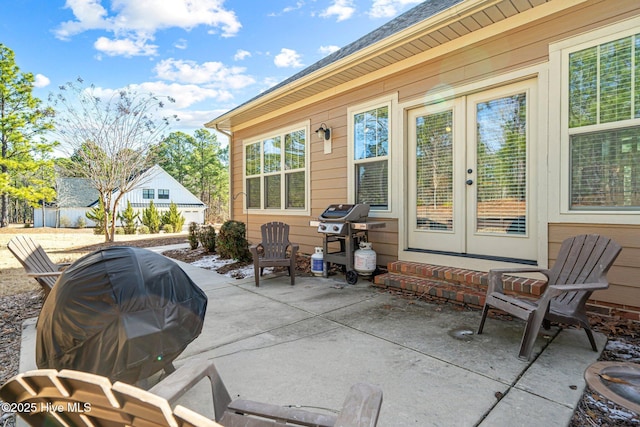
348	225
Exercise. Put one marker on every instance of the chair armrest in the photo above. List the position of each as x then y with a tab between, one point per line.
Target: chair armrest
45	274
361	408
183	379
555	290
281	413
495	276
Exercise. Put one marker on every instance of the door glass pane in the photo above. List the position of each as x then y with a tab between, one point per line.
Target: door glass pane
501	202
434	171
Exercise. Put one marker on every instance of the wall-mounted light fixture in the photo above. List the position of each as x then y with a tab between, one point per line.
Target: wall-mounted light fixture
324	132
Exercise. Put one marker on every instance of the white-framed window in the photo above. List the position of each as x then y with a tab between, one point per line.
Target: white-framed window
275	171
370	145
600	123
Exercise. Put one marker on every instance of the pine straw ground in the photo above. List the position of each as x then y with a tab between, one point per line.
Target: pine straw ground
593	410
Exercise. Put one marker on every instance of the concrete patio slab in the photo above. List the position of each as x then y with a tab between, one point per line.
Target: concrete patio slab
305	345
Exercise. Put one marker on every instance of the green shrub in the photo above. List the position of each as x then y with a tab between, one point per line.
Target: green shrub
167	228
194	235
28	225
232	241
129	218
99	216
81	222
173	218
143	229
207	237
119	230
151	218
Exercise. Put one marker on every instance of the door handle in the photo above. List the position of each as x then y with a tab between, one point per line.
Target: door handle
469	182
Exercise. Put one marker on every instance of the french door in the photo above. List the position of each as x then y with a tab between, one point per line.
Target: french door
469	167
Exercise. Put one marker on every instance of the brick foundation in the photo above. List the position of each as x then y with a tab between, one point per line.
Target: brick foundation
468	287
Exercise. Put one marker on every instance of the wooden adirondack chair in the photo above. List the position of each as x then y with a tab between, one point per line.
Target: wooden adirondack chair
76	398
580	268
272	251
35	261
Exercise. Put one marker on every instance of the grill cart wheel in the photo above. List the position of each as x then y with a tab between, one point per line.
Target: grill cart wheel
352	277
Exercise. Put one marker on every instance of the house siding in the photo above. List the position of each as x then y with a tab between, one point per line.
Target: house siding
472	66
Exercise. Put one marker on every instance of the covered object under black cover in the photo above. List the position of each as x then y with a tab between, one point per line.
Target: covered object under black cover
121	312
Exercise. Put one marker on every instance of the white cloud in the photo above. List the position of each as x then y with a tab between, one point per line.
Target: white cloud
342	9
287	58
328	50
132	21
125	47
389	8
181	44
241	54
214	74
41	81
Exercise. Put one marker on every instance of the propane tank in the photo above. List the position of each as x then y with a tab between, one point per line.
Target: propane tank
364	259
317	262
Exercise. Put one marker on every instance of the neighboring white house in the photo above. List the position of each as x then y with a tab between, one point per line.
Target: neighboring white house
76	197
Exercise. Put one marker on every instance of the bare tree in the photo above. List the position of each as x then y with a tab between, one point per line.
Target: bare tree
108	135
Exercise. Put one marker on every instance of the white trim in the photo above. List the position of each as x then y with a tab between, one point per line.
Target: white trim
394	161
540	148
559	164
306	125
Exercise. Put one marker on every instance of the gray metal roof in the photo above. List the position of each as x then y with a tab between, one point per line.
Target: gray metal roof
75	192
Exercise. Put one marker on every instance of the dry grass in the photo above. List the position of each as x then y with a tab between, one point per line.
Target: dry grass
62	245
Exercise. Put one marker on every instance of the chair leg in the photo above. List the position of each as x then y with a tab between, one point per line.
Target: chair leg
256	274
591	339
485	310
530	335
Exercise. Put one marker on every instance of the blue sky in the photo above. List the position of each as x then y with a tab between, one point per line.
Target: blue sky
210	55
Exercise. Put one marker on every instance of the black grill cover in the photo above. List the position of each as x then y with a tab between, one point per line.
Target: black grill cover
121	312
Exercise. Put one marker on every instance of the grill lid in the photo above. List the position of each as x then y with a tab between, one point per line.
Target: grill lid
345	212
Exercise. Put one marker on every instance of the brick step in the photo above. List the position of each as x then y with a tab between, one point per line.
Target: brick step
457	285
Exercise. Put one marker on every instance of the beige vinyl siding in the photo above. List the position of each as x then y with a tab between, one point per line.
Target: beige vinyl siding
623	277
462	65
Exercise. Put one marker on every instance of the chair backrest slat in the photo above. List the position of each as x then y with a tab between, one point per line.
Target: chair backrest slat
33	258
582	259
275	239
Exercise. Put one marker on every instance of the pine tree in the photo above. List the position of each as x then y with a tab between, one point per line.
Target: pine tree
25	169
151	218
173	218
129	219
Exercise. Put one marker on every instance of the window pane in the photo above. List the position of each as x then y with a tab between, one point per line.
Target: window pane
434	169
583	87
272	154
294	146
371	133
501	204
148	193
615	81
605	170
295	190
372	184
272	191
252	159
253	191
